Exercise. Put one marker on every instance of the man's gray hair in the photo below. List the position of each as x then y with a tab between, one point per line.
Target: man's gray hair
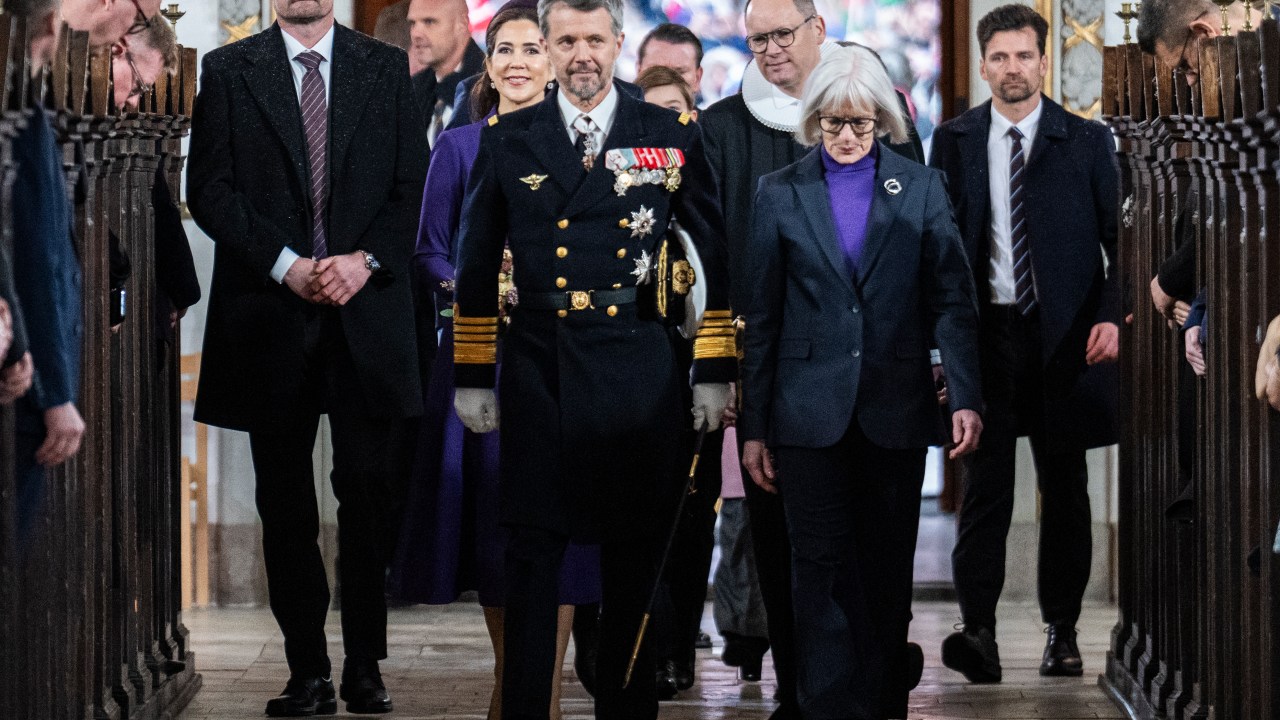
850	76
613	6
1167	21
30	8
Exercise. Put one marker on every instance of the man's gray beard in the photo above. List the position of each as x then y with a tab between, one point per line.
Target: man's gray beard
586	90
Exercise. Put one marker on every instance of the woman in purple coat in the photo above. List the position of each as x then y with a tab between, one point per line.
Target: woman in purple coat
451	541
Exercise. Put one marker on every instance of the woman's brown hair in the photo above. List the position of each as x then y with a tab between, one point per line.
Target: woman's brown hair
484	96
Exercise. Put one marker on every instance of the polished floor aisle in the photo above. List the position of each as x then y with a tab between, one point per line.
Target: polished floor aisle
440	667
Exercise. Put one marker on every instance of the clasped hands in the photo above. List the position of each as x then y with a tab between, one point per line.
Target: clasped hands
478	407
331	281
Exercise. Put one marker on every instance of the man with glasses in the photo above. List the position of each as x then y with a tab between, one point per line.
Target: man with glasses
750	135
1034	192
107	21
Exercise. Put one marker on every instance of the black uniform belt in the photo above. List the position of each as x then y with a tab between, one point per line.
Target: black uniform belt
576	299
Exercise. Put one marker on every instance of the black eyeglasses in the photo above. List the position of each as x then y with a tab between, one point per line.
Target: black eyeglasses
139	88
1183	68
141	23
834	125
782	37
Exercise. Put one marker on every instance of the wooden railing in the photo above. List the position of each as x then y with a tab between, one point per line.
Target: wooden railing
93	627
1199	629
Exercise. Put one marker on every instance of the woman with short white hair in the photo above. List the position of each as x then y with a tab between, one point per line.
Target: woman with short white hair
860	271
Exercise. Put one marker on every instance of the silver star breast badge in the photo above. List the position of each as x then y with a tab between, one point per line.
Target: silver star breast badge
643	264
642	222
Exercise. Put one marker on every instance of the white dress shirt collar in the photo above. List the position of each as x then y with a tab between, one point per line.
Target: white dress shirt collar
1028	125
324	46
602	115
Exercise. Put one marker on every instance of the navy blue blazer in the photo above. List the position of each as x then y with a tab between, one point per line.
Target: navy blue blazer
824	348
46	268
1072	201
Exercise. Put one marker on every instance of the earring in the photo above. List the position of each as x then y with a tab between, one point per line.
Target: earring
551	84
492	85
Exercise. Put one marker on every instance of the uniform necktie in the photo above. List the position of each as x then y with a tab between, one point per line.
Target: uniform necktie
1023	283
586	144
315	122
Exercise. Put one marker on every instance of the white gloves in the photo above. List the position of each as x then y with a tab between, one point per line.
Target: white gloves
477	408
709	402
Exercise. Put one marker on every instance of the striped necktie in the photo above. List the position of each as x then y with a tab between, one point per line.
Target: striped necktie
1023	282
315	123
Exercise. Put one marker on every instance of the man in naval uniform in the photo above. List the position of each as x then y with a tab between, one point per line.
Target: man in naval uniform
581	188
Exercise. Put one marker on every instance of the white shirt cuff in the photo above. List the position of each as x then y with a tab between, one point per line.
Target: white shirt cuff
283	263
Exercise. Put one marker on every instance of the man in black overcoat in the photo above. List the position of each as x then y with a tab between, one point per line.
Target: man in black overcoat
581	187
306	169
1035	194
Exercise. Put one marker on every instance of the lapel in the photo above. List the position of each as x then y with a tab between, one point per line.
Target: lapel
973	152
811	189
351	81
885	207
1053	127
270	81
548	139
626	130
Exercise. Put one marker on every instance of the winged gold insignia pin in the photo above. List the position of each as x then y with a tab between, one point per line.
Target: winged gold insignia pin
533	181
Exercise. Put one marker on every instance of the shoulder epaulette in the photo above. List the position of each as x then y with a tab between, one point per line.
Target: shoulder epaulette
493	121
685	118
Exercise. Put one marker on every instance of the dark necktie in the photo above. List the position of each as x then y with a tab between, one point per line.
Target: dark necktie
315	123
1023	282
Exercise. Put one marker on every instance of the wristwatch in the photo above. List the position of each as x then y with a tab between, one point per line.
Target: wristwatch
370	262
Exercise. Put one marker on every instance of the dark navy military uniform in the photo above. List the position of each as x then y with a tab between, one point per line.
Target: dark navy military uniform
591	410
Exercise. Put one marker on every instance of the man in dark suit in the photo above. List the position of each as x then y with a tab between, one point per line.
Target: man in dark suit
46	274
306	169
1034	190
582	187
442	47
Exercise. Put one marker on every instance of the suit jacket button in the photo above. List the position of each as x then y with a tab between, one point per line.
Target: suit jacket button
857	353
562	224
561	282
562	251
613	310
562	313
622	252
856	309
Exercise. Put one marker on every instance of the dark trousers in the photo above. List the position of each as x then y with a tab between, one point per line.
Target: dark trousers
370	471
627	572
1015	399
854	512
773	568
679	615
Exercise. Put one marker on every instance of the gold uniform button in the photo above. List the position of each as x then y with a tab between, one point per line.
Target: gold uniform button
562	251
617	286
561	282
562	313
624	223
562	224
613	310
622	252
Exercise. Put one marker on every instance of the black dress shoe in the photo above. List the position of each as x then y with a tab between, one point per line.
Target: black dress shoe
703	642
665	680
1061	655
751	668
913	667
304	697
682	671
362	688
740	650
973	653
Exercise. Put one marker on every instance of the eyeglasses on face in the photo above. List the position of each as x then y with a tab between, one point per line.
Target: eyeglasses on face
141	23
139	88
782	37
833	125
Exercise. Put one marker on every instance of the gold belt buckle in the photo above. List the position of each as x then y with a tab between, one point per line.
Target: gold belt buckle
579	300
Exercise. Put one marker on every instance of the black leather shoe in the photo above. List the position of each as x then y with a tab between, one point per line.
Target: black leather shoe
362	688
703	642
740	650
683	671
974	654
304	697
1061	655
913	667
751	668
665	679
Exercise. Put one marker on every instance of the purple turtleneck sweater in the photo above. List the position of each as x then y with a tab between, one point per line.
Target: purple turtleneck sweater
851	188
